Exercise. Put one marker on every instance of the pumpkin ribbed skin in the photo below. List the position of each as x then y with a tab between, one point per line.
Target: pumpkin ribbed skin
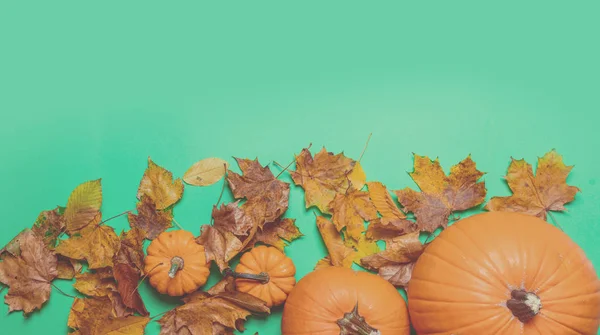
461	283
323	296
177	243
279	267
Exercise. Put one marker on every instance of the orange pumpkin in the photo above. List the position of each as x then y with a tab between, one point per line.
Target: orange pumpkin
176	264
504	273
336	300
266	273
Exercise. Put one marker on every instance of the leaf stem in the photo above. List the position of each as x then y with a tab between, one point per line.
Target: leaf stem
177	224
143	278
62	292
212	220
365	148
262	277
554	220
114	217
284	168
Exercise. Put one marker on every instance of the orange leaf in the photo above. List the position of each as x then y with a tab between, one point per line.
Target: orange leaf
383	201
158	184
28	275
539	194
350	210
387	229
94	316
339	253
96	244
149	219
440	196
322	177
277	233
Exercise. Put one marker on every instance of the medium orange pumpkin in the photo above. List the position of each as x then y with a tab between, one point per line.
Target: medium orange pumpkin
336	300
176	264
266	273
504	273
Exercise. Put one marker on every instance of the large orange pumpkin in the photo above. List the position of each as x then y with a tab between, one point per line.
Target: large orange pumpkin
266	273
504	273
336	300
176	264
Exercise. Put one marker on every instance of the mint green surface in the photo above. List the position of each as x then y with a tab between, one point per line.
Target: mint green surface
92	89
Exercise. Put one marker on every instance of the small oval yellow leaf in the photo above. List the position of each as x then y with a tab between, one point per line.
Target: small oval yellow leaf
206	172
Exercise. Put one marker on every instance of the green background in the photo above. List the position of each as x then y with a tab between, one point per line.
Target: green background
92	89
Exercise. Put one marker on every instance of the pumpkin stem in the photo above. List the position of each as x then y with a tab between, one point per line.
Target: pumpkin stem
176	265
524	305
354	324
262	277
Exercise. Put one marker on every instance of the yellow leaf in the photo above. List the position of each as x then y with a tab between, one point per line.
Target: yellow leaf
357	177
350	210
97	245
158	184
206	172
383	201
339	253
83	205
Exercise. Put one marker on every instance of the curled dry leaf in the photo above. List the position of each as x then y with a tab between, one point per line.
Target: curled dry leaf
322	177
440	196
350	210
394	262
96	244
339	253
49	225
264	193
149	219
94	316
101	283
158	185
67	268
83	205
381	229
127	279
277	233
207	314
28	275
206	172
537	194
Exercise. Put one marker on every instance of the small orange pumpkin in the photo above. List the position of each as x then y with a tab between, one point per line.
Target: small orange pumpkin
266	273
337	300
176	264
504	273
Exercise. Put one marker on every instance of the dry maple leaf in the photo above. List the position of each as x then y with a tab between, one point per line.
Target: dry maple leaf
101	283
277	233
350	210
380	229
233	219
49	225
539	194
13	247
206	172
96	244
322	177
149	219
219	246
94	316
67	268
158	185
206	314
83	205
260	188
393	263
339	253
363	246
29	275
440	196
127	278
131	250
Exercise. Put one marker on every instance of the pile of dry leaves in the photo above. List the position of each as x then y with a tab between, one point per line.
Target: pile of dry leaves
353	215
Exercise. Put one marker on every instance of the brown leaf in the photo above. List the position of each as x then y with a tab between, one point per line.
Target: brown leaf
402	249
13	247
131	250
219	246
382	200
203	313
158	185
539	194
149	219
49	225
440	196
397	274
29	275
350	210
277	233
127	279
83	205
322	177
323	263
96	244
93	316
262	191
67	268
233	219
206	172
387	229
101	283
339	253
